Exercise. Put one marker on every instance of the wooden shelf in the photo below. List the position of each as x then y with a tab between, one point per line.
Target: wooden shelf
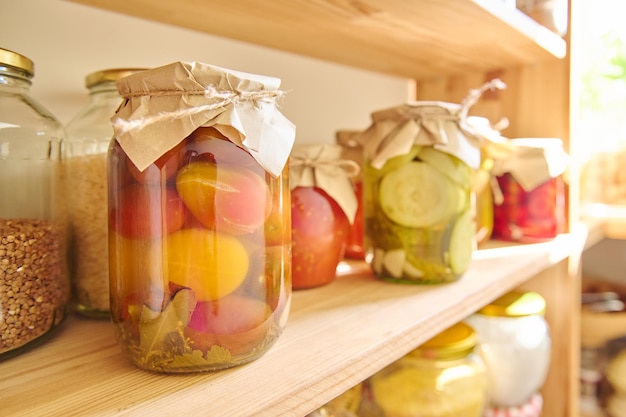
336	336
418	39
604	222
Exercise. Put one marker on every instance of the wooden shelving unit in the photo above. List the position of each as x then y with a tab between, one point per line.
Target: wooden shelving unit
336	336
340	334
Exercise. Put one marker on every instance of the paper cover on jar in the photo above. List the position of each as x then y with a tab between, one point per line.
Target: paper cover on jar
430	123
322	166
164	105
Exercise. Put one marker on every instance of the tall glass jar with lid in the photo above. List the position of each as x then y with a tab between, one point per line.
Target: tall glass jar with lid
441	378
34	287
199	217
88	136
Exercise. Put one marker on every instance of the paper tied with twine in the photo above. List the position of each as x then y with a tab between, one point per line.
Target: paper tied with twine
322	166
428	123
164	105
534	161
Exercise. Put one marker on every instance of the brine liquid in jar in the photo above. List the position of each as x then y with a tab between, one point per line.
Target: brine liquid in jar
418	217
199	233
199	254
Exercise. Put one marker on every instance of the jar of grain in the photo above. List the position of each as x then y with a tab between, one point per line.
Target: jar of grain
34	288
88	136
199	219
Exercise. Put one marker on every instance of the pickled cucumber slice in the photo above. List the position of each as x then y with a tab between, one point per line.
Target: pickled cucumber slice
461	243
401	160
418	195
450	166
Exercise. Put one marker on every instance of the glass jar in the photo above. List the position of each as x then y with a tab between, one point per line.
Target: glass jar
533	191
515	344
199	233
441	378
34	288
417	188
353	151
88	136
345	405
323	206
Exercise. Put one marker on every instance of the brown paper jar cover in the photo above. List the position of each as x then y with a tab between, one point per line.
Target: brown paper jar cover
199	241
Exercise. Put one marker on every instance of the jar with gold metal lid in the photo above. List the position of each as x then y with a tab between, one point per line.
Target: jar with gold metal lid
34	287
441	378
515	344
88	136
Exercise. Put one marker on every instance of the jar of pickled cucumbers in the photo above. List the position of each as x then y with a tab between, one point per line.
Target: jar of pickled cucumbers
353	151
515	344
88	137
199	217
323	205
34	286
441	378
419	220
532	184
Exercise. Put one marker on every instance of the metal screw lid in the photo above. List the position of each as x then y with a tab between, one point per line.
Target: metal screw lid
18	61
516	304
108	75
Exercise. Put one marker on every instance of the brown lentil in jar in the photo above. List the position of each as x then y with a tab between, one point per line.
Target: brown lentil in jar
32	290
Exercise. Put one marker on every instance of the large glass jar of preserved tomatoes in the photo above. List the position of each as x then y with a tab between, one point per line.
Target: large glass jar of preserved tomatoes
88	137
532	185
199	219
34	287
323	205
444	377
515	344
419	220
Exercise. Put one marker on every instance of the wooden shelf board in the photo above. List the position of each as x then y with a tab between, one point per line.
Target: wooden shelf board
604	222
336	336
417	39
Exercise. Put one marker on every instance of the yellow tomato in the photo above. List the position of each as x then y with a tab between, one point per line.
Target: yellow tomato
211	264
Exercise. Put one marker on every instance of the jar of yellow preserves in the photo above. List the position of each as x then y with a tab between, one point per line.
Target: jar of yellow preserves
199	217
441	378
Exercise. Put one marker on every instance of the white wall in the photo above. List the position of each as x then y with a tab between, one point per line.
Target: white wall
67	41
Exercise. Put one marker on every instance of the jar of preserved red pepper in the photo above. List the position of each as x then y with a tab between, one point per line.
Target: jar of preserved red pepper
419	219
323	206
353	151
199	220
531	182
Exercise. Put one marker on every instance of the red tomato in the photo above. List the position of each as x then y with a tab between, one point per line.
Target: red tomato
236	323
318	235
228	199
206	144
141	211
354	246
162	170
